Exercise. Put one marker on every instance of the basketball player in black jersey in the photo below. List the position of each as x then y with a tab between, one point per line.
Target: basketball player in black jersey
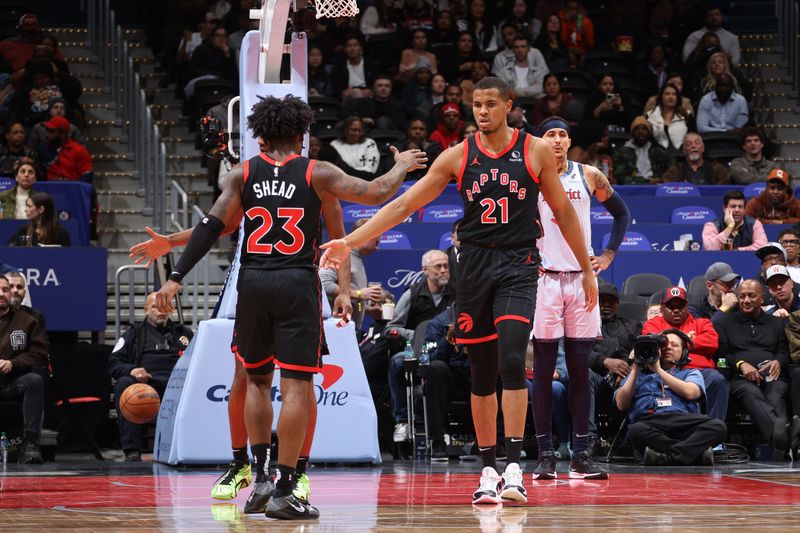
499	172
278	315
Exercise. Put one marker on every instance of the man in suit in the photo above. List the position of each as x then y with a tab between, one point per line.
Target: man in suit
353	76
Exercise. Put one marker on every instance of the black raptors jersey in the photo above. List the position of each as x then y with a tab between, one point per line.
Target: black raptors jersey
281	214
500	194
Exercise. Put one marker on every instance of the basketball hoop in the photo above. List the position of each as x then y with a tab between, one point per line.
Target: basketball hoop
336	8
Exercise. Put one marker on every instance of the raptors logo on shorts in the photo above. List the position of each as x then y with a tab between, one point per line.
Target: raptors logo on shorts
465	322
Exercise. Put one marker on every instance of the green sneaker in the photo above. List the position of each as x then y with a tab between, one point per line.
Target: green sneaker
237	477
302	489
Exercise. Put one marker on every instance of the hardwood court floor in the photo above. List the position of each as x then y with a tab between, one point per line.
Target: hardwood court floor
402	496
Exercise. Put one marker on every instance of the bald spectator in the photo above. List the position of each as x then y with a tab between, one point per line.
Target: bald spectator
777	203
753	166
694	167
722	109
733	230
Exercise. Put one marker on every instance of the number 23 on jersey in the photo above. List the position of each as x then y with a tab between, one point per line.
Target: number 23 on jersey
289	243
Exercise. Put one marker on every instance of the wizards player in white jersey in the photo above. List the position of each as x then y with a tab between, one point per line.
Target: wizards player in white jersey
560	311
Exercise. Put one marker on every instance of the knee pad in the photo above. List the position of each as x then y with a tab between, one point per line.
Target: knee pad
512	342
483	368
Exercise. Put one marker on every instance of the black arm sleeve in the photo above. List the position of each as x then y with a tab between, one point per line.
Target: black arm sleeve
203	237
622	219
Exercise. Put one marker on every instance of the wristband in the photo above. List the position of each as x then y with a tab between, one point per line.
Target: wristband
358	294
739	365
724	309
175	276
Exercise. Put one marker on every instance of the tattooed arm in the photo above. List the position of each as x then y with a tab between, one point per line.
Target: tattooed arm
618	209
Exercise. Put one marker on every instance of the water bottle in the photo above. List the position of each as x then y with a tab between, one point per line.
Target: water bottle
425	357
3	449
408	353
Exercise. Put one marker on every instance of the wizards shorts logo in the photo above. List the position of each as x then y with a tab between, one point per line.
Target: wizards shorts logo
465	322
18	340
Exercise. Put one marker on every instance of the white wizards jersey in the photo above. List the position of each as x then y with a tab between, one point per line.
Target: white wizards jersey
553	248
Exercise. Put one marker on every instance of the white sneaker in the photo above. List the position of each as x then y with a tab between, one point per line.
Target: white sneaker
513	490
488	491
401	433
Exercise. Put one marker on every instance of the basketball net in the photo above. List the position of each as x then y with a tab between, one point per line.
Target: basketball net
336	8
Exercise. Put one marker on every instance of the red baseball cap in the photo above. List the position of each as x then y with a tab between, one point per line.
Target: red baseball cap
57	123
450	107
673	293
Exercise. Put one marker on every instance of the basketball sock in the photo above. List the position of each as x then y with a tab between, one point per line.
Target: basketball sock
302	464
240	455
545	353
286	479
488	455
578	351
261	461
513	449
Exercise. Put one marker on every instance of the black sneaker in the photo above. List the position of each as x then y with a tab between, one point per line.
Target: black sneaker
654	458
583	467
257	501
546	467
439	451
780	439
133	456
708	457
30	454
287	507
794	433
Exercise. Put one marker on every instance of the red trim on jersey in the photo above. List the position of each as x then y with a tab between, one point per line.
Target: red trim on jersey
299	368
512	317
246	169
532	172
254	365
309	170
463	164
503	151
79	399
479	340
271	161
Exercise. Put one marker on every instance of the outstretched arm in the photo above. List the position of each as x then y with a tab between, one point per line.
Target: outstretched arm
334	222
615	205
225	210
421	193
553	192
329	179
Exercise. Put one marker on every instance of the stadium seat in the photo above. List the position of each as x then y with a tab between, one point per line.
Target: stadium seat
718	140
387	138
692	214
696	290
655	298
723	155
754	189
208	93
632	310
634	241
324	108
573	77
325	129
644	285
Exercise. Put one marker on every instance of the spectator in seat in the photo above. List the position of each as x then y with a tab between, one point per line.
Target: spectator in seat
521	18
577	31
422	301
452	94
448	131
518	119
381	111
15	148
72	161
676	79
663	404
418	56
773	253
654	74
783	290
705	341
379	19
457	62
722	109
608	362
717	65
352	151
13	201
640	160
526	72
43	228
22	349
508	32
417	137
607	105
734	230
56	107
444	35
479	70
753	166
37	86
721	283
19	292
319	78
729	42
354	74
790	240
667	120
550	44
777	203
213	59
452	251
479	24
555	101
435	97
17	51
146	353
418	90
360	292
755	345
694	167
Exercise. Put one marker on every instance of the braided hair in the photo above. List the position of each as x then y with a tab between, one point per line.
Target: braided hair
280	119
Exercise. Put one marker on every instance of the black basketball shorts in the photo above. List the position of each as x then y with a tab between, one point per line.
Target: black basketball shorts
494	285
278	321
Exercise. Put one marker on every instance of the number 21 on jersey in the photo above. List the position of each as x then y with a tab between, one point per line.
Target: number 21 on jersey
292	216
490	206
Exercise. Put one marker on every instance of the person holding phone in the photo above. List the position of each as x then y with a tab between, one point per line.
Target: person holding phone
607	105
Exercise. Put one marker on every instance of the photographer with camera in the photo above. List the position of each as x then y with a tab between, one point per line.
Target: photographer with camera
663	399
755	344
705	341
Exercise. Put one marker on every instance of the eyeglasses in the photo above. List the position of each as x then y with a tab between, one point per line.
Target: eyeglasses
790	242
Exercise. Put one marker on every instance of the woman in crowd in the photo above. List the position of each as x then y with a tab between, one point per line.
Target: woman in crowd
436	95
352	151
418	89
444	34
653	75
717	65
13	202
607	105
319	78
520	16
677	80
551	46
479	70
554	100
461	59
669	124
43	228
14	148
478	23
417	56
